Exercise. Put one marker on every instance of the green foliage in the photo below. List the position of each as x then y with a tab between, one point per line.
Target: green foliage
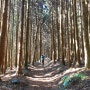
79	75
76	77
66	83
65	78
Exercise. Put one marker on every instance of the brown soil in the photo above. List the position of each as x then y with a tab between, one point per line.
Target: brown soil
47	77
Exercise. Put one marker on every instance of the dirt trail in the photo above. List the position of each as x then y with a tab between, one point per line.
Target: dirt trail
47	77
41	77
37	77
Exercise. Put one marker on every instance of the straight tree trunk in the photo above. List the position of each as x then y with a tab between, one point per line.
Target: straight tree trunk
76	34
68	35
35	43
21	41
0	17
17	29
86	34
58	30
71	36
74	44
27	37
3	35
30	36
82	40
51	38
40	40
62	33
30	41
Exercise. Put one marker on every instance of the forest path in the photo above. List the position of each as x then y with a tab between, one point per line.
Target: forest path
42	77
38	77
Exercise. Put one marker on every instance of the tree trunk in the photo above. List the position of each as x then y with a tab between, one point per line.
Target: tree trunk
3	34
0	17
35	43
21	40
62	33
27	37
76	34
86	34
17	31
40	41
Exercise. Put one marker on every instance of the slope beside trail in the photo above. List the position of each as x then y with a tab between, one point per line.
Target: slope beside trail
39	77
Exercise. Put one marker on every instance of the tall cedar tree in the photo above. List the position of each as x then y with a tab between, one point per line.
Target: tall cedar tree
3	35
86	34
21	40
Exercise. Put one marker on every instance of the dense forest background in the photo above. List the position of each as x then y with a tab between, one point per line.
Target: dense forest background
59	29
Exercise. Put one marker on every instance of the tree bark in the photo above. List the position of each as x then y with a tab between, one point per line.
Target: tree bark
21	40
86	34
3	34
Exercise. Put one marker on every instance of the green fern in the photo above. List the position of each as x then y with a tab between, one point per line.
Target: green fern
79	75
66	80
